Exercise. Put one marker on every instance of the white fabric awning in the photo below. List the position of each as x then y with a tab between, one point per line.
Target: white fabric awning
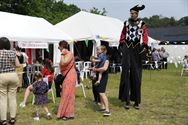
26	28
152	42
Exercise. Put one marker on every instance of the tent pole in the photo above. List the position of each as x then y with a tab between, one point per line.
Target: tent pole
94	48
72	47
96	43
42	54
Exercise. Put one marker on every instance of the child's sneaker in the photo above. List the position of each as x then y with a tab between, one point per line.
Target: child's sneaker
22	105
97	83
106	114
36	118
49	116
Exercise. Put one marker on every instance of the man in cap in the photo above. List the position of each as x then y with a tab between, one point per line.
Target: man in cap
133	43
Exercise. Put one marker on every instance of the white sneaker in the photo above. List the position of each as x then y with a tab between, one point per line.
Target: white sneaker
49	116
106	114
36	118
22	105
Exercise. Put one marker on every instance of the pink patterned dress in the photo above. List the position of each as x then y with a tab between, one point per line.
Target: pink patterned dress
66	106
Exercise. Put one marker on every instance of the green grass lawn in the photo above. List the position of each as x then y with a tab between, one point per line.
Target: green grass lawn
164	102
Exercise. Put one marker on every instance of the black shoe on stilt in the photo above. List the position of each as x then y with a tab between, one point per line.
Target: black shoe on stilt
4	122
137	106
127	105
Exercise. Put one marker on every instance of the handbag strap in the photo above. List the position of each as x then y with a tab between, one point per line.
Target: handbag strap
69	69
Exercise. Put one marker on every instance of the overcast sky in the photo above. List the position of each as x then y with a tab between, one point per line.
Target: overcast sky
120	8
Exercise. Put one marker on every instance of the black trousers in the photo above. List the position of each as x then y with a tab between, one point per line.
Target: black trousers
95	92
58	89
164	65
131	76
58	84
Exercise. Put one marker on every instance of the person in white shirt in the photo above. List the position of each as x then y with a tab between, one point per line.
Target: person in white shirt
164	55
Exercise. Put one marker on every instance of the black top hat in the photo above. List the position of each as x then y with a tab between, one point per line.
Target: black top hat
137	8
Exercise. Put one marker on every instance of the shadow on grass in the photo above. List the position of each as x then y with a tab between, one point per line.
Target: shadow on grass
55	108
115	101
90	104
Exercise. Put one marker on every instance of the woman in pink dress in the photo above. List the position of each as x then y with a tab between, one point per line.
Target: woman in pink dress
66	106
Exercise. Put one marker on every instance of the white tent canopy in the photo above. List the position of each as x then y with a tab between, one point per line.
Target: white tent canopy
29	29
84	25
152	41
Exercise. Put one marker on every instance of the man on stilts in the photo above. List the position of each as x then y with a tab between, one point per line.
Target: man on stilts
132	48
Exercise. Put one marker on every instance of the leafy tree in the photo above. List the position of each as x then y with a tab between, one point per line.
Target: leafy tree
52	10
56	10
97	11
62	11
15	6
183	21
160	21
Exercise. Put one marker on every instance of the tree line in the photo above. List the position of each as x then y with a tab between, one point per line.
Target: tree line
160	21
52	10
56	10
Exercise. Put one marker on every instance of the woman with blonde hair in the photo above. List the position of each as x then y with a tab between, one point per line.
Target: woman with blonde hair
102	80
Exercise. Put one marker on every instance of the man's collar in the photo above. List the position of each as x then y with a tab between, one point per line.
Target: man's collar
135	22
